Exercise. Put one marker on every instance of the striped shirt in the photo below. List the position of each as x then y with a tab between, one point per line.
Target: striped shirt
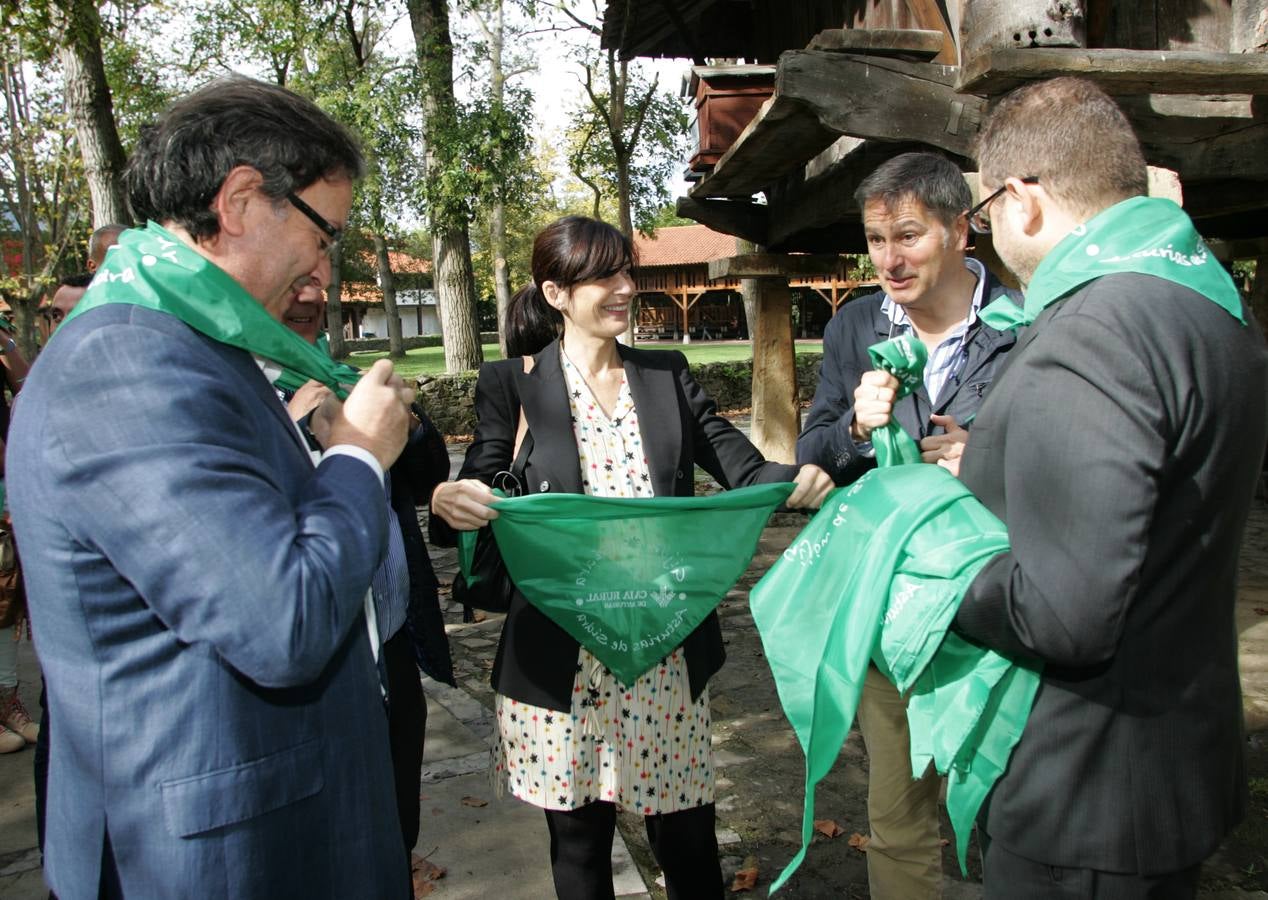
946	361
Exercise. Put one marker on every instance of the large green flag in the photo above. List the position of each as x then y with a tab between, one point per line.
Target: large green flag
630	578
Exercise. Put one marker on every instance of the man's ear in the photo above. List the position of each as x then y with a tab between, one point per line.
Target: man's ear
235	195
1024	205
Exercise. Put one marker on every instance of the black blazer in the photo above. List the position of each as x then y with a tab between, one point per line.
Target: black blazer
1119	445
825	438
536	659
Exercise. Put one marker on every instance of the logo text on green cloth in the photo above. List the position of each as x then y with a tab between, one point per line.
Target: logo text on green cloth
629	579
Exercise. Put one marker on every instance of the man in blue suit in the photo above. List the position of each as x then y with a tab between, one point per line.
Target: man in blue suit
199	585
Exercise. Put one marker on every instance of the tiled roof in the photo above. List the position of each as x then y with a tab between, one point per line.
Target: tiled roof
682	245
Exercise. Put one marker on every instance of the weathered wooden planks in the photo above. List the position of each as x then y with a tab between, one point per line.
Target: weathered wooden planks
820	96
995	72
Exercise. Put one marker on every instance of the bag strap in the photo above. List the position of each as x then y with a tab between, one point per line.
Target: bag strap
519	454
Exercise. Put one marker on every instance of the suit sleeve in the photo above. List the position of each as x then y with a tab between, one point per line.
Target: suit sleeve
825	438
721	449
1084	452
171	486
497	413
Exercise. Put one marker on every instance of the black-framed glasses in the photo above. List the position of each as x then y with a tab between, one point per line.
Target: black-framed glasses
979	220
335	234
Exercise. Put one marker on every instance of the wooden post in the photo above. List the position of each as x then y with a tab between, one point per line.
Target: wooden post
776	416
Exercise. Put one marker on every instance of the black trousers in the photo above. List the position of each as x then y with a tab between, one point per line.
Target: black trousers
683	842
1006	876
406	729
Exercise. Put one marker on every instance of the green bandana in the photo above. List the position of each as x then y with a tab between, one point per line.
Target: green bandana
291	381
153	268
1147	235
630	578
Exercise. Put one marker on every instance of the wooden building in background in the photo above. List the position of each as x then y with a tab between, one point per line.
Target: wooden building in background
679	301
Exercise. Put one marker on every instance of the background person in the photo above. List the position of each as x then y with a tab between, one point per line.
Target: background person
100	241
913	218
1120	447
586	400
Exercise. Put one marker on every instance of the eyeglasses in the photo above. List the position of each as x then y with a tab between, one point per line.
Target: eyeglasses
978	217
335	234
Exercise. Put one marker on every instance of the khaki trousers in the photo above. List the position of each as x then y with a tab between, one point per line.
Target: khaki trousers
904	855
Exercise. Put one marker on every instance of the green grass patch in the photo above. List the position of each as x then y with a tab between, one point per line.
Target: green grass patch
431	360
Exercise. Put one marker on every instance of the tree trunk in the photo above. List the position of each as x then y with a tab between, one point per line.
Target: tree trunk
454	280
92	111
501	271
334	311
497	214
387	284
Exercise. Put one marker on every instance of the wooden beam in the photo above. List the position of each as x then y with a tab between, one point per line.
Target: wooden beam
770	265
992	24
738	217
820	96
775	411
1202	138
995	72
902	43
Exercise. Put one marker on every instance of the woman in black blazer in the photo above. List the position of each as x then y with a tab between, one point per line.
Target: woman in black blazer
606	420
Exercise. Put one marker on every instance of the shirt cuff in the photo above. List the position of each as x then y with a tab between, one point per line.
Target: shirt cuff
356	453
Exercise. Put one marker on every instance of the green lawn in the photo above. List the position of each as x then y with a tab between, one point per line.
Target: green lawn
431	360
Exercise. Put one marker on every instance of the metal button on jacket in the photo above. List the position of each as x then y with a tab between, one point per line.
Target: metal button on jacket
543	487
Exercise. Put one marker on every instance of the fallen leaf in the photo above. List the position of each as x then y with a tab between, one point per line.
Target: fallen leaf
420	865
746	877
474	801
422	889
859	842
828	828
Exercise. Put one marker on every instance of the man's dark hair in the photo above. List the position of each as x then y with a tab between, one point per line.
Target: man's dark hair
182	160
78	280
1069	134
934	180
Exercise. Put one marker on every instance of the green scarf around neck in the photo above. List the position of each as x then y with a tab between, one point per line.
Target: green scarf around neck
1145	235
153	268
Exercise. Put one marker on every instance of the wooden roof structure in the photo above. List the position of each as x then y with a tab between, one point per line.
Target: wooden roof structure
858	81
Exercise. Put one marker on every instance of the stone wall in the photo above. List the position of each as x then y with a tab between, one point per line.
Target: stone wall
450	399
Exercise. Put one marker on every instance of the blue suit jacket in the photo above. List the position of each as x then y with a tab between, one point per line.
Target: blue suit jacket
196	593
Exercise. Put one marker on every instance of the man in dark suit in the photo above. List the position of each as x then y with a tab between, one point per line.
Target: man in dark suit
1120	446
201	616
913	217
